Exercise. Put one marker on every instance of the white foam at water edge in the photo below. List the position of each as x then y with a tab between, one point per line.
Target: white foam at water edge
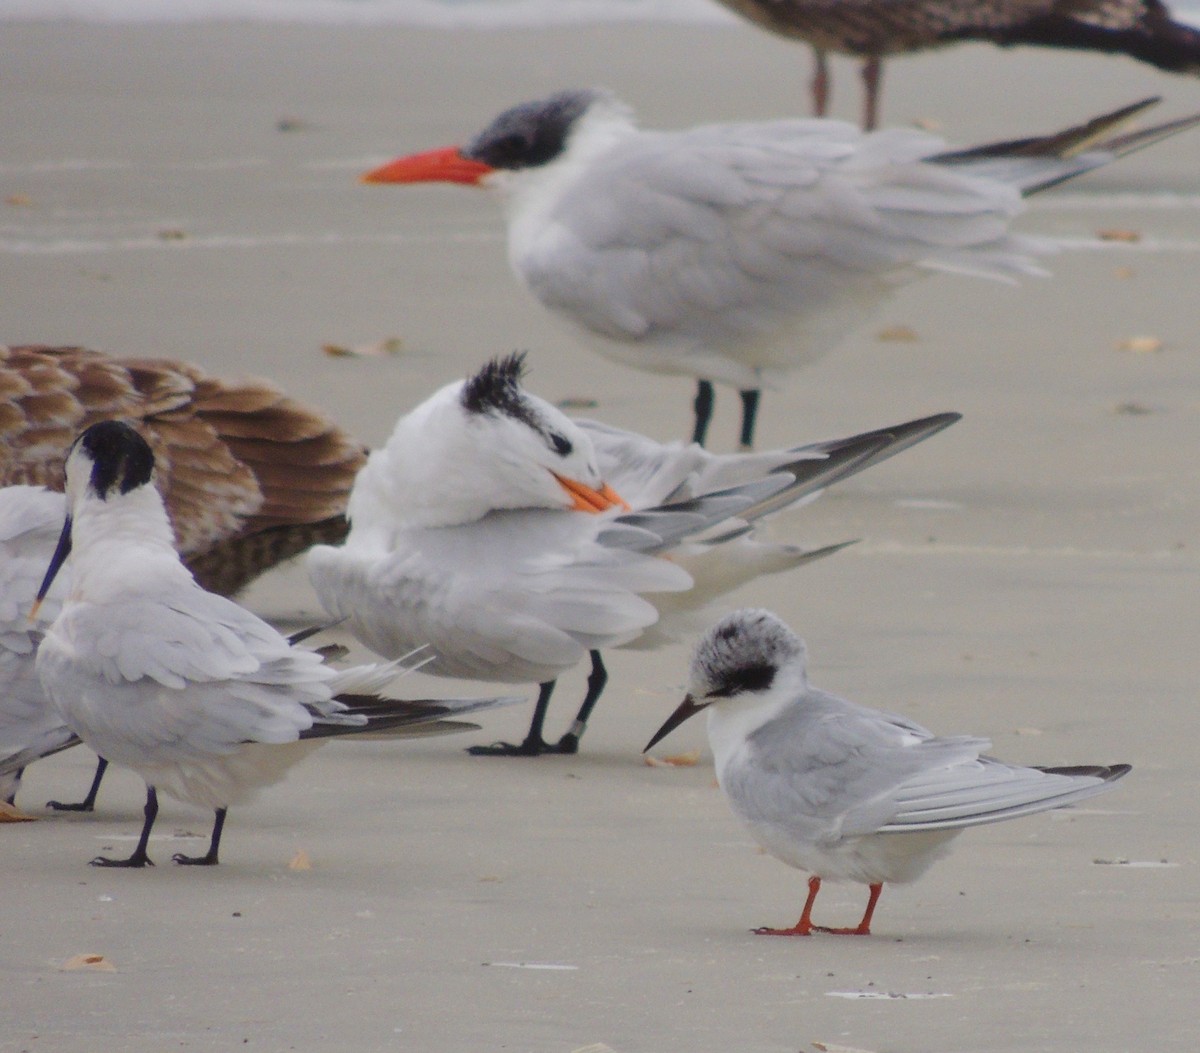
481	14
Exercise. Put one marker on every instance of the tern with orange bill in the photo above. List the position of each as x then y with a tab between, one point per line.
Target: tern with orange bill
515	541
735	253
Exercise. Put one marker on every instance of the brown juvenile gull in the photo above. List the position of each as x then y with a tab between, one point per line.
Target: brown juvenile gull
250	476
873	29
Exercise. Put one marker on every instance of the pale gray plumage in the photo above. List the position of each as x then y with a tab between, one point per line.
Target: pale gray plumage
649	473
463	535
839	790
30	521
204	700
734	253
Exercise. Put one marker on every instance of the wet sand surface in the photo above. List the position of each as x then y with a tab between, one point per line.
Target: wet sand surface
1029	574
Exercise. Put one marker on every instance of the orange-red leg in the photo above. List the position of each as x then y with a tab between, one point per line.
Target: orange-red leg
864	926
820	83
804	926
872	75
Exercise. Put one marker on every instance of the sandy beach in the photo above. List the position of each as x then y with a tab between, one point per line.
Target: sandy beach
1031	575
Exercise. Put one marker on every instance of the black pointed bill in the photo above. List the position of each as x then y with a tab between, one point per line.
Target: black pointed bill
61	552
687	708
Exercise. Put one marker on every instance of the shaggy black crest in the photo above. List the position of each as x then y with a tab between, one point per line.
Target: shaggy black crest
532	133
121	458
496	388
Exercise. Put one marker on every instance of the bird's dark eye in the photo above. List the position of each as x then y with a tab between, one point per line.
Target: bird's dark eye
562	445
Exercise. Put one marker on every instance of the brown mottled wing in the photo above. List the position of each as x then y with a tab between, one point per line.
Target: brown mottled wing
303	465
886	27
1142	29
210	495
250	476
47	396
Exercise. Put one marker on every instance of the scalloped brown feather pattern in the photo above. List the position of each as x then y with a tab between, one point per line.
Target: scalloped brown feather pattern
888	27
250	476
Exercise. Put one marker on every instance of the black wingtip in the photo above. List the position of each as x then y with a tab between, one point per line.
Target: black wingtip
1107	772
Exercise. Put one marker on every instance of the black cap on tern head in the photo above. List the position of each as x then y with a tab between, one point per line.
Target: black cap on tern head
532	133
743	652
496	388
121	459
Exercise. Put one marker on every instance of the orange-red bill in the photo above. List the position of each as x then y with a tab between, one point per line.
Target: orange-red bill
587	499
446	165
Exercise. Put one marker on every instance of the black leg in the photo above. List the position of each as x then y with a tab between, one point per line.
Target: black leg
750	399
210	858
703	407
534	744
598	677
139	857
12	797
89	802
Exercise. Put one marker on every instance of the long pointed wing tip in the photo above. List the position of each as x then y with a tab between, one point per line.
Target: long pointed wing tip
934	422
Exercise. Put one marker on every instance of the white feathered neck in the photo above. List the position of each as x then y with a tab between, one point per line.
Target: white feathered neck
446	466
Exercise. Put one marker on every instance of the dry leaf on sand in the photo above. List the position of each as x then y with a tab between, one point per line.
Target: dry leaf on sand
377	349
901	334
1141	345
96	962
